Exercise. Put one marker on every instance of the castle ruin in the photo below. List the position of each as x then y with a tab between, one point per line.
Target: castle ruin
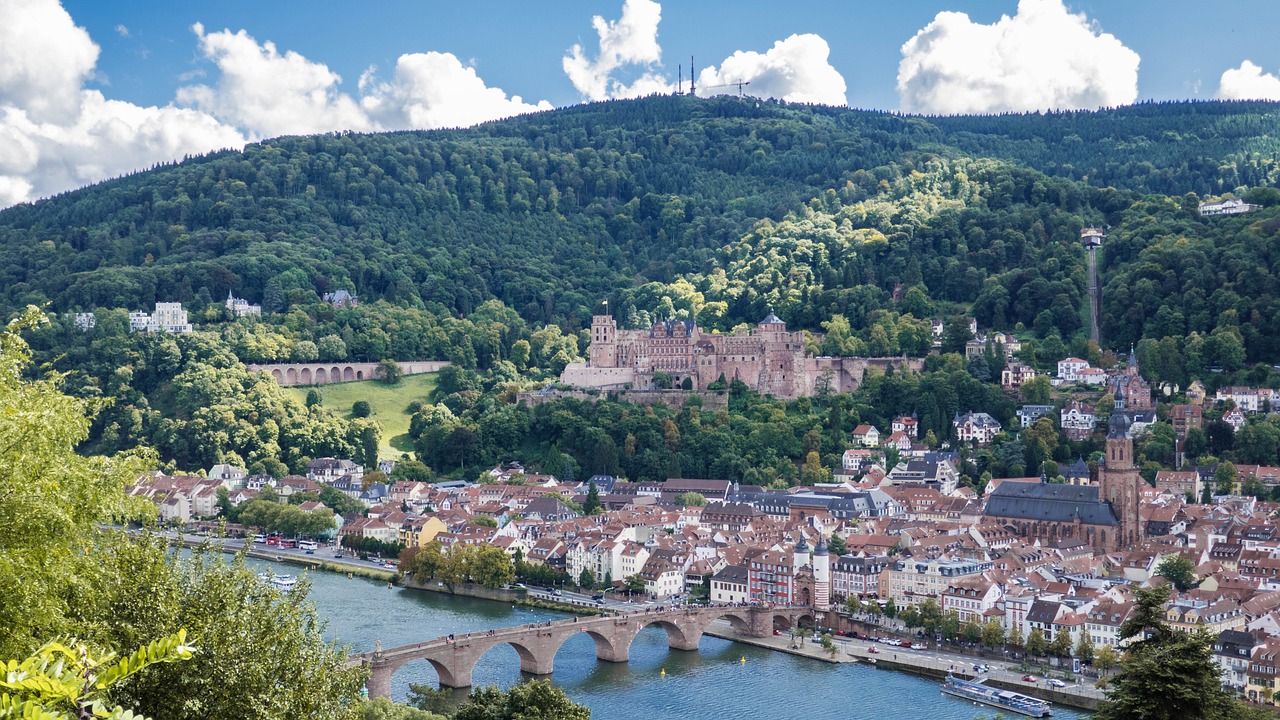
768	359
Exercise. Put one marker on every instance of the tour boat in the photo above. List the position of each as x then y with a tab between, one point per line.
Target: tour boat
283	583
1004	699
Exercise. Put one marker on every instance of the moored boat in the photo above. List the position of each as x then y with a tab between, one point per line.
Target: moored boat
283	583
1003	699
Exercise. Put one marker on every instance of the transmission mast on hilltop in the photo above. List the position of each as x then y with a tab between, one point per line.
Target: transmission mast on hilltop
740	84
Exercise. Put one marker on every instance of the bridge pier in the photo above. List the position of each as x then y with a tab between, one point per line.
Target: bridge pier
379	682
685	641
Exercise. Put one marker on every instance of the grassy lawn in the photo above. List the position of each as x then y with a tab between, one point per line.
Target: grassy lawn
390	404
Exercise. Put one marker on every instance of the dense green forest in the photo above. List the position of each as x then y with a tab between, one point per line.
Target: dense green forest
717	208
493	246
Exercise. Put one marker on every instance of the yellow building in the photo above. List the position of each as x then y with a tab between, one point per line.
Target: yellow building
417	532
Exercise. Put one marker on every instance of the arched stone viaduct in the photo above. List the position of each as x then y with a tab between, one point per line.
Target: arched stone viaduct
536	644
287	374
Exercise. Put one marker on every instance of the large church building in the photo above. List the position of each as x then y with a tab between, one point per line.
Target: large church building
1104	515
768	359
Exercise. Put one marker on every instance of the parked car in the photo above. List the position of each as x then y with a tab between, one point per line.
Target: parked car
1030	678
1055	682
873	650
920	646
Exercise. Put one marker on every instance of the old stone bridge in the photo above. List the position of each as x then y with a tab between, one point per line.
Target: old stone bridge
537	643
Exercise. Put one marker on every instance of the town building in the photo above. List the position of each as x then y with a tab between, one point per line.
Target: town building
1077	421
1232	206
976	427
1029	414
86	321
241	307
168	317
341	299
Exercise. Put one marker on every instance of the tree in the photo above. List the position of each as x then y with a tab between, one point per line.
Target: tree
1105	658
591	505
67	682
535	700
950	626
1036	644
389	372
1036	390
828	645
1084	647
1179	571
1015	636
1061	645
853	603
955	334
586	580
492	567
836	545
385	709
1224	478
1166	673
972	631
484	521
361	409
633	584
314	398
691	499
891	609
993	634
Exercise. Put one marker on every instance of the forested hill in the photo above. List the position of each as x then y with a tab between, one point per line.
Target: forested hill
714	208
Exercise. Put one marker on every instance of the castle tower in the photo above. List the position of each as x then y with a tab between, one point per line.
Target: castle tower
821	576
1119	480
604	342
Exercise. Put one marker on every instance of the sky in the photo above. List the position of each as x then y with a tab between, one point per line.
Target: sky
91	90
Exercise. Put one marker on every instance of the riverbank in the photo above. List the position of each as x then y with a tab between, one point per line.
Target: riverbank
1005	677
782	643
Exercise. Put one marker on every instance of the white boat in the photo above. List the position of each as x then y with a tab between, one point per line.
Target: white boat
283	583
1004	699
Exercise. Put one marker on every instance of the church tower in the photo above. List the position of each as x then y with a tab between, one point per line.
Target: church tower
1119	480
604	342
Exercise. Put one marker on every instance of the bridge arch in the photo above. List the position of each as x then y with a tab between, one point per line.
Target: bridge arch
291	376
304	376
444	675
322	376
279	376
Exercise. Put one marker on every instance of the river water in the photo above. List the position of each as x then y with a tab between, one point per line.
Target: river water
709	684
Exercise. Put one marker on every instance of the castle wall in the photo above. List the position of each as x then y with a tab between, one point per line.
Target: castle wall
769	360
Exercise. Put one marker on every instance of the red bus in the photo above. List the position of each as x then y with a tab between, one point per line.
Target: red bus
273	539
288	543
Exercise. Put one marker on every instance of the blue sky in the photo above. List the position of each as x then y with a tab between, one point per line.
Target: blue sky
518	46
92	89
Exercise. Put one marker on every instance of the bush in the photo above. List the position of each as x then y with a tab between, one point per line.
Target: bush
361	409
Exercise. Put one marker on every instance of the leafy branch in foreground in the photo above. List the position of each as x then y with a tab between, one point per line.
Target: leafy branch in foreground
65	682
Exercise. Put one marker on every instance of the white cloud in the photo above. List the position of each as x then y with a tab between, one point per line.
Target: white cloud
122	31
44	59
56	135
1044	57
270	94
630	41
435	90
795	69
1248	82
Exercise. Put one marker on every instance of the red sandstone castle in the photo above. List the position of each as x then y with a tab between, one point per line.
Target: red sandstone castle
768	359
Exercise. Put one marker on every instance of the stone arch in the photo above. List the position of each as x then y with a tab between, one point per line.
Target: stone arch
804	597
606	648
805	620
445	677
530	660
781	622
740	625
305	376
680	638
291	376
278	376
322	376
348	373
335	374
359	374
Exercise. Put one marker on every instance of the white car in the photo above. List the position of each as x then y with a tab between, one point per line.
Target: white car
1055	682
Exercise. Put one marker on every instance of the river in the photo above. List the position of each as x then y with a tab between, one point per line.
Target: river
711	683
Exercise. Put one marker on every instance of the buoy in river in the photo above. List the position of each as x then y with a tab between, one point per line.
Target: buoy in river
744	660
664	671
